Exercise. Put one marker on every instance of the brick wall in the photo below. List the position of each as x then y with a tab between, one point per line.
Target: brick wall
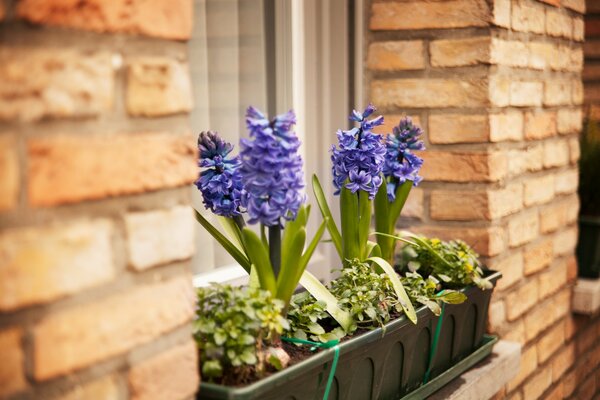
591	69
497	85
96	158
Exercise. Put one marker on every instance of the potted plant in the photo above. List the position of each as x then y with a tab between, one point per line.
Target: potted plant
588	245
360	336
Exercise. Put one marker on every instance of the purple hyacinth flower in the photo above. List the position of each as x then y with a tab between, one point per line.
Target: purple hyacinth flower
401	164
271	169
358	161
219	181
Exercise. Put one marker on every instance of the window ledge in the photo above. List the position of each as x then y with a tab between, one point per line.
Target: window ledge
487	378
586	296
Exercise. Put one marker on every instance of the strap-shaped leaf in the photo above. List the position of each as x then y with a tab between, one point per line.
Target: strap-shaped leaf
396	206
349	217
232	230
237	255
287	278
364	223
382	221
310	249
407	306
320	292
396	237
336	238
373	249
259	256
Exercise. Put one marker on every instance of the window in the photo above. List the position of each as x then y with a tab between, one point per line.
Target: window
276	55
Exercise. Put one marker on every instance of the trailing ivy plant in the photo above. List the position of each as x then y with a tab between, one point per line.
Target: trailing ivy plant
234	329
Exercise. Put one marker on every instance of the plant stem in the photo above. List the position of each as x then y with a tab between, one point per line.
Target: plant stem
239	221
275	248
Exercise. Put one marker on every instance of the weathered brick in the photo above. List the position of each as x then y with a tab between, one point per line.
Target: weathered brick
515	332
539	319
551	281
556	153
541	54
506	126
571	271
577	92
43	83
561	59
458	128
511	268
463	166
524	94
550	342
103	388
564	242
36	261
497	316
586	339
509	52
558	23
538	256
558	214
506	201
12	375
523	228
575	5
158	86
485	241
433	92
521	300
88	333
9	173
540	124
459	52
538	190
587	389
499	90
557	392
575	59
169	19
170	375
427	15
158	237
592	92
578	29
527	17
528	159
563	361
557	92
566	182
501	13
569	120
535	386
396	55
527	367
591	72
72	168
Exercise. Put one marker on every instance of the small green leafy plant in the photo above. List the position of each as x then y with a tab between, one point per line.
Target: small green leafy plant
305	314
235	328
426	291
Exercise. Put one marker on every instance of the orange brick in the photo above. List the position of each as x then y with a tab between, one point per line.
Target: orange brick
2	12
551	281
169	19
427	15
537	385
506	201
9	173
431	92
158	86
571	270
396	55
556	393
577	92
527	367
569	120
566	182
521	300
463	166
527	17
458	128
506	126
523	228
541	55
524	94
561	59
499	90
556	153
485	241
459	52
515	332
557	92
578	29
540	124
538	256
102	388
591	72
585	340
558	23
575	5
587	388
413	208
72	168
36	261
511	268
538	190
575	63
564	242
170	375
550	342
528	159
562	304
563	361
12	375
497	316
42	83
558	214
539	319
89	333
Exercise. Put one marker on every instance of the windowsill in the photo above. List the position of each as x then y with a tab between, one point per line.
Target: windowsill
586	296
487	378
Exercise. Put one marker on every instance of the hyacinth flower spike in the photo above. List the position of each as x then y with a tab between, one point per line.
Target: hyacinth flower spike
401	172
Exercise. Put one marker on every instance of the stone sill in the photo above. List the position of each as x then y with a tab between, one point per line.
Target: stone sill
487	378
586	296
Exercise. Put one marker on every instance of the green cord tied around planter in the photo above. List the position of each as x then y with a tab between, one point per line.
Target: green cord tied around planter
434	343
327	345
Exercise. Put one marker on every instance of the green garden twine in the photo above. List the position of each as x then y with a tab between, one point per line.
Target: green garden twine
434	343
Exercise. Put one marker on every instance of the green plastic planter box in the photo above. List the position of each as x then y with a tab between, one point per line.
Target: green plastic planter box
383	363
588	247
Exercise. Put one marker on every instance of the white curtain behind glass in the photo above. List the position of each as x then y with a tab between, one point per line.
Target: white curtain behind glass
229	73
